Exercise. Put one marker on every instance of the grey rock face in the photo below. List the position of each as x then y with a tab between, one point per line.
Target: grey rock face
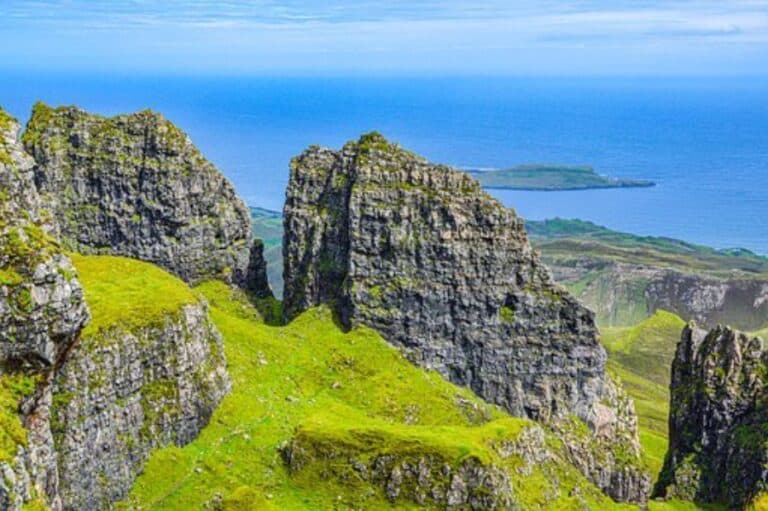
41	313
99	402
718	419
420	253
135	185
121	394
41	301
710	301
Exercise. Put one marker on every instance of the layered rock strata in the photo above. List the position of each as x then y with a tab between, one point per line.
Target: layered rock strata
420	253
135	185
624	294
718	422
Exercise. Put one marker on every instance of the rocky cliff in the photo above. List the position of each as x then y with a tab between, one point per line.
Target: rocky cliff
131	384
718	419
41	303
420	253
135	185
41	312
81	407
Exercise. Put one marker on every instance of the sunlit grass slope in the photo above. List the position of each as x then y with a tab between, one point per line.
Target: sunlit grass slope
128	293
351	391
647	349
641	356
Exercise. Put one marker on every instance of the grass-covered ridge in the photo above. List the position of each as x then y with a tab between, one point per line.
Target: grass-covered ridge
127	293
311	382
551	177
560	239
647	349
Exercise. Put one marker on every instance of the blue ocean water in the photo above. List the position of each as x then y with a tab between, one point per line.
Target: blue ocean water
704	141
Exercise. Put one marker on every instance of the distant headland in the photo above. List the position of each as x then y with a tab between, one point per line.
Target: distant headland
544	177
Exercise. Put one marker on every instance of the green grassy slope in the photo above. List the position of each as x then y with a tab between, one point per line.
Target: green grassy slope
641	356
551	177
127	292
311	379
647	349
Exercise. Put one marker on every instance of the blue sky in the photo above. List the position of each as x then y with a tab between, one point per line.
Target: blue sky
491	37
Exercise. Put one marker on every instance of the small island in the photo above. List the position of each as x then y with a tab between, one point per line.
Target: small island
540	177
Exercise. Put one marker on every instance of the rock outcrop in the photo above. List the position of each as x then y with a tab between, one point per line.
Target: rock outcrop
718	422
41	301
424	478
81	407
135	185
41	313
420	253
121	393
521	466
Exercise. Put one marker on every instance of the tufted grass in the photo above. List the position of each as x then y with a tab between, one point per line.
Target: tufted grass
350	391
128	293
13	388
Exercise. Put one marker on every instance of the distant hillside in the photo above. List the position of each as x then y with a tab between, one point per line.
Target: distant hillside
561	237
625	278
551	178
268	226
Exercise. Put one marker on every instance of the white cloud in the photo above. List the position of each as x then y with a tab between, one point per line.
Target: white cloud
454	35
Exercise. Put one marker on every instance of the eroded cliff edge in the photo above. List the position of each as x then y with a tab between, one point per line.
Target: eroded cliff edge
718	416
420	253
135	185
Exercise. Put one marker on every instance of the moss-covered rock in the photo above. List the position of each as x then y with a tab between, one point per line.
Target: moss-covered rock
41	313
718	447
135	185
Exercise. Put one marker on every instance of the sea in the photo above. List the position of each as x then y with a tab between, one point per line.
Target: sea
704	141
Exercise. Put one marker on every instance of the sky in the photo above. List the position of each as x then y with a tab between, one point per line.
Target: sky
420	37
